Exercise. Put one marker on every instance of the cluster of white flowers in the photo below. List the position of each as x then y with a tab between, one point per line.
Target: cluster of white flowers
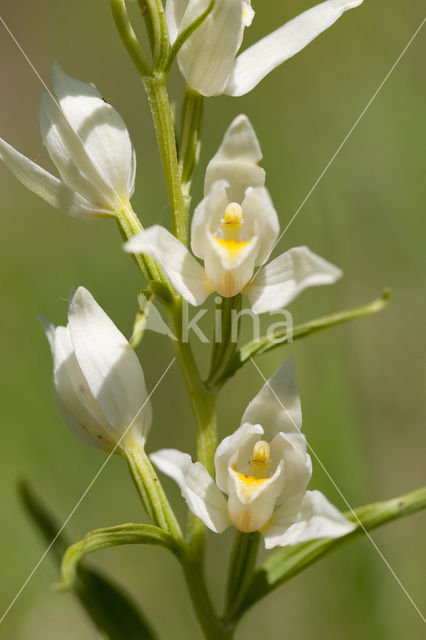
263	468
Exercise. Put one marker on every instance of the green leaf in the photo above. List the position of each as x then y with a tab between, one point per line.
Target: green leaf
289	561
267	343
111	610
113	537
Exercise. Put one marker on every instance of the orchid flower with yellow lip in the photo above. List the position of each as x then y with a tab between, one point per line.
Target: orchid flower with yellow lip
98	379
234	229
208	60
262	471
90	146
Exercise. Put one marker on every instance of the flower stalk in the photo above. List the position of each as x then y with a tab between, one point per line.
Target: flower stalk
156	90
151	492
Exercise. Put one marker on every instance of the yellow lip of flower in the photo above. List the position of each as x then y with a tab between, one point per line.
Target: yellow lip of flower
260	461
248	484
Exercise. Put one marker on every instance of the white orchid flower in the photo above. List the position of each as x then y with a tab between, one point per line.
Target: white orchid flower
208	60
99	382
234	229
90	146
262	471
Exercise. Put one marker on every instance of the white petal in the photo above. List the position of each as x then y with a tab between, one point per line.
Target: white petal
237	161
291	448
282	280
242	440
207	216
315	518
268	53
258	207
42	183
207	58
101	129
198	488
75	400
277	405
111	368
74	159
186	275
251	504
52	123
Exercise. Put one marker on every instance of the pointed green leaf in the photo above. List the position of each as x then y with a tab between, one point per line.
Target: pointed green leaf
267	343
112	537
289	561
111	610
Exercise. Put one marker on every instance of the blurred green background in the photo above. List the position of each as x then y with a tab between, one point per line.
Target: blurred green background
362	385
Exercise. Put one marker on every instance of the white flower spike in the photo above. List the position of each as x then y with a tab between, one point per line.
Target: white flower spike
208	60
234	229
99	382
90	146
262	471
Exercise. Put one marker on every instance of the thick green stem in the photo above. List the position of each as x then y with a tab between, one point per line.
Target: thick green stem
202	399
203	407
163	120
151	492
209	622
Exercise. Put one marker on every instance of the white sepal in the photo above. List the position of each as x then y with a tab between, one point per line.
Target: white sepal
44	184
102	131
237	161
308	518
110	367
257	61
77	404
88	142
185	274
197	487
277	405
207	58
282	280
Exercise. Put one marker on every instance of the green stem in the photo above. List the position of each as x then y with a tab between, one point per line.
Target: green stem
209	622
128	36
130	225
225	339
243	564
190	140
160	34
202	402
163	120
151	492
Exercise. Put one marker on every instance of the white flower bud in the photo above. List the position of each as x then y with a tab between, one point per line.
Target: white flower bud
90	146
99	382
